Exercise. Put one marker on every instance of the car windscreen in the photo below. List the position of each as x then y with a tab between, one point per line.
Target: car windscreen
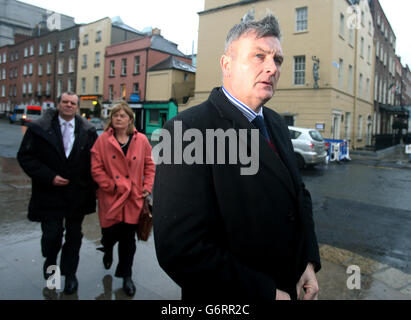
316	135
34	111
19	111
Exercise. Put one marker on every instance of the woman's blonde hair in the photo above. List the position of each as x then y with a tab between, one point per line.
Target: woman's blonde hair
126	108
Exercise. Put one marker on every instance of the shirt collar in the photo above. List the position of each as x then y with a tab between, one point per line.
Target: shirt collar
61	121
249	113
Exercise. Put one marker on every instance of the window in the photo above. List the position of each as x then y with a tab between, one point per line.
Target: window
362	18
123	67
26	52
110	92
350	78
84	62
137	65
362	47
340	73
25	70
351	36
136	88
85	41
40	69
24	89
369	28
360	86
98	36
60	66
30	68
72	44
154	117
48	67
71	64
83	85
41	50
112	65
70	85
31	50
39	89
5	57
299	70
359	131
301	19
49	49
375	87
59	87
377	49
3	74
3	90
96	84
61	46
123	91
48	88
342	25
97	62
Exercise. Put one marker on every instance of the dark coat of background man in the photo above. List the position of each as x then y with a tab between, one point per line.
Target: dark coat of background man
63	190
221	235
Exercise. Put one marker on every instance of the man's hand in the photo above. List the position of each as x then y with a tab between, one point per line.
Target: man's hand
282	295
308	281
59	181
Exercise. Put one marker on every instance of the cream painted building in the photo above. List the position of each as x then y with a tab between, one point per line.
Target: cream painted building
312	30
94	38
170	79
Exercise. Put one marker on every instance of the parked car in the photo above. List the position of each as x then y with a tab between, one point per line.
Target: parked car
16	114
97	122
309	146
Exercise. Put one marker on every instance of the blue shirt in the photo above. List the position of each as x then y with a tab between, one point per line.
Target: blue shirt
249	113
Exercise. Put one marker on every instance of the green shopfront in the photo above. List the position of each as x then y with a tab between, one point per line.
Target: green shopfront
157	114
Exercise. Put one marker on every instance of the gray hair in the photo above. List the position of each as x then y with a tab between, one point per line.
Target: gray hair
268	26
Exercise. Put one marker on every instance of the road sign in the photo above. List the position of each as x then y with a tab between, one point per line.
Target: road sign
408	148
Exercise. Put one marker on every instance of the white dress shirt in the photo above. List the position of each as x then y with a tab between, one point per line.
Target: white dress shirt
71	128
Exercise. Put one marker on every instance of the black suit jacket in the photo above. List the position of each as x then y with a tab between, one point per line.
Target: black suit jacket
42	157
222	235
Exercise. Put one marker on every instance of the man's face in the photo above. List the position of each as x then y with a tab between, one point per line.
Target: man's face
251	68
68	106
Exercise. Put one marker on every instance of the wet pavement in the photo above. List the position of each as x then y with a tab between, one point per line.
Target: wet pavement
21	261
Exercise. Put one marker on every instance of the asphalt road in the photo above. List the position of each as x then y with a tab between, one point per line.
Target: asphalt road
364	209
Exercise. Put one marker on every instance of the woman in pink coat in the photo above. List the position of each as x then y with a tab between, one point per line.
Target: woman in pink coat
122	166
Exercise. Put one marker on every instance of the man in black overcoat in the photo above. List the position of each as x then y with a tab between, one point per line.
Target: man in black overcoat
55	154
222	233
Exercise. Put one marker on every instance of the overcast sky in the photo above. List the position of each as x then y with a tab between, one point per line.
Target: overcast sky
178	19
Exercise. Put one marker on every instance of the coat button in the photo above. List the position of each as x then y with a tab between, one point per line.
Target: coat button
114	157
117	177
134	158
126	177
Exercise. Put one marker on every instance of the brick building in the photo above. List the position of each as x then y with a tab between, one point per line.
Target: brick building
385	70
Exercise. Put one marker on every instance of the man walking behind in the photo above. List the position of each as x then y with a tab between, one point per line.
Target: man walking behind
55	153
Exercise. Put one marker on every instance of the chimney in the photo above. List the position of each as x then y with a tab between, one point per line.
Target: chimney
156	31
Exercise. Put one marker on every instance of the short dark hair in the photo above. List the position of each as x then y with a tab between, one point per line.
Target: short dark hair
267	26
69	93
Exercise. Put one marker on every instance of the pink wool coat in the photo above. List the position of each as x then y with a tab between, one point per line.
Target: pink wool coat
121	179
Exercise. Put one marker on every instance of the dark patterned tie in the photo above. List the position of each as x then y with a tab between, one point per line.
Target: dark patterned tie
260	124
